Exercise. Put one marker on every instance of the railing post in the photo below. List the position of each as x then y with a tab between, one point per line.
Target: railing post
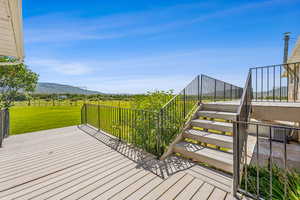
6	123
224	91
119	116
184	102
98	117
1	128
236	163
230	92
198	91
215	90
160	131
86	121
201	89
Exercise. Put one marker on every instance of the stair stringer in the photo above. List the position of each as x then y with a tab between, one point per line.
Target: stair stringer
180	137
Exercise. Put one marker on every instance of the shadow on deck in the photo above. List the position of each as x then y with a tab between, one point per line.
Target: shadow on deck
163	169
67	163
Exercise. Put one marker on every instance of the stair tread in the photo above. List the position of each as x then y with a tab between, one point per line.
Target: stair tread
210	135
215	154
217	112
226	124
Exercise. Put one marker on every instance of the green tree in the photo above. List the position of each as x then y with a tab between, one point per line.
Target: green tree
153	101
14	79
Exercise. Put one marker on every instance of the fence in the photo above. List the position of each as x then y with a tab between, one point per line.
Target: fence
276	82
4	125
154	130
267	173
202	89
216	90
137	127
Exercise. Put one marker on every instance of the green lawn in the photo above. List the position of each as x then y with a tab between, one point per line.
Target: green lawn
25	119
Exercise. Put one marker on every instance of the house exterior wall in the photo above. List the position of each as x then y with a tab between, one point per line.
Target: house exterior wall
295	57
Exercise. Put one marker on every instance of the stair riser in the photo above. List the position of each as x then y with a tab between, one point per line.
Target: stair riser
217	116
212	127
220	107
219	143
199	158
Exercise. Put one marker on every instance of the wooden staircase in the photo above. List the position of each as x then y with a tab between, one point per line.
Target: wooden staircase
208	137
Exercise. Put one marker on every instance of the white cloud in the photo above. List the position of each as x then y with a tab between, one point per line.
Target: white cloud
62	67
163	71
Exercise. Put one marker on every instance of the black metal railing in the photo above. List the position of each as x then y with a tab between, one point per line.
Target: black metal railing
136	127
174	114
202	88
4	125
276	82
215	90
240	132
270	171
154	131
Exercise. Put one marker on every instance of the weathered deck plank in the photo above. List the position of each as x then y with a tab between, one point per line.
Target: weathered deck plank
62	176
67	163
190	190
177	188
204	192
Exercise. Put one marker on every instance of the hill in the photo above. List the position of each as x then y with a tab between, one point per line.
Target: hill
277	92
55	88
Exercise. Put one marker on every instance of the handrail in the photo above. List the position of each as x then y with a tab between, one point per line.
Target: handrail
245	92
266	66
172	99
239	132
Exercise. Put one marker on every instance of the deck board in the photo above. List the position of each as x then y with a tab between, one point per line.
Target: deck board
190	190
67	163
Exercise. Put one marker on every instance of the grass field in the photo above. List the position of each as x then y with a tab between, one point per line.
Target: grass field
24	118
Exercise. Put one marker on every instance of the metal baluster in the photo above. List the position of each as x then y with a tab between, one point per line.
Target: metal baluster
184	111
274	83
230	92
236	169
86	114
120	127
285	164
215	90
246	168
201	88
271	163
198	91
257	163
294	81
288	83
280	68
268	80
262	83
98	112
224	91
256	85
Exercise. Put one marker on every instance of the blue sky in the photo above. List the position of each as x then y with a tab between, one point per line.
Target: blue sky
133	46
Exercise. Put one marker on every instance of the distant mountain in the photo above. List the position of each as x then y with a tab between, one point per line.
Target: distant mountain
55	88
277	92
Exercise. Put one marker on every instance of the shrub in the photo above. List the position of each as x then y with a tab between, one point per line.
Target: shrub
278	184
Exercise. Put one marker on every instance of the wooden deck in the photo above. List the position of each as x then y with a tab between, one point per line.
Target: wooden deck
73	163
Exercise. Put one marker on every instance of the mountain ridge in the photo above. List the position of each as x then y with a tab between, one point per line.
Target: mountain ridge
57	88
